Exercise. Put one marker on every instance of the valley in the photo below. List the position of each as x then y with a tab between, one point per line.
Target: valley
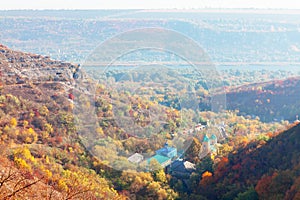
149	123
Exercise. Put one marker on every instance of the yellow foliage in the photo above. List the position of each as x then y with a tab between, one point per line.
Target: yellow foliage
44	111
168	136
212	156
241	126
71	106
22	163
154	186
109	107
100	131
31	114
62	185
28	140
6	129
44	134
82	182
47	160
162	194
13	122
161	176
29	136
25	123
23	152
137	185
48	127
31	131
70	149
47	173
87	104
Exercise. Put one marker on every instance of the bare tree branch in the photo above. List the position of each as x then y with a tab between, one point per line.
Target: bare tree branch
20	189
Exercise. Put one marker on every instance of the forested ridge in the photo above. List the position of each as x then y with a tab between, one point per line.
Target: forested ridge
258	171
271	100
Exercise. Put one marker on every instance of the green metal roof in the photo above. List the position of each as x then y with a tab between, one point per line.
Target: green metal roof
161	159
205	138
213	136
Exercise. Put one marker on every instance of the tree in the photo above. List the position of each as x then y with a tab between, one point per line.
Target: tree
206	174
249	194
15	183
262	187
44	111
13	122
205	165
160	176
154	165
206	178
153	187
82	184
162	194
193	150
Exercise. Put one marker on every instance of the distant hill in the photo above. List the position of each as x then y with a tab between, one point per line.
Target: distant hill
231	36
264	171
271	101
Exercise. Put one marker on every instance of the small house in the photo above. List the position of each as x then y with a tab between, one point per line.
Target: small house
162	160
136	158
167	151
164	155
181	168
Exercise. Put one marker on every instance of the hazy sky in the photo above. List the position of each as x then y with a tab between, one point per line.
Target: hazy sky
146	4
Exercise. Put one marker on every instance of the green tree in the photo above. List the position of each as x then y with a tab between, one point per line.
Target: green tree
205	165
193	151
250	194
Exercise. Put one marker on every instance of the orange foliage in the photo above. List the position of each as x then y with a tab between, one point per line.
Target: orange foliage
206	178
206	174
224	160
270	134
262	187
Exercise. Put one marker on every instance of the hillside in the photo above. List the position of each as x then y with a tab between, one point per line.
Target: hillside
42	155
261	170
272	101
